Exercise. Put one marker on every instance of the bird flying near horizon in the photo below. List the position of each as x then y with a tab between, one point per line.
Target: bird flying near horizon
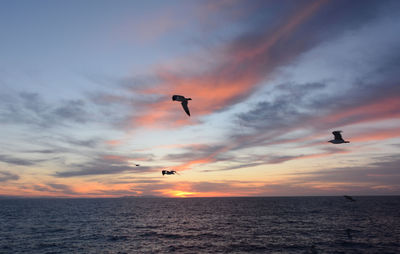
169	172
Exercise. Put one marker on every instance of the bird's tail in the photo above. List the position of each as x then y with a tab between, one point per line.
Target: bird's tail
189	99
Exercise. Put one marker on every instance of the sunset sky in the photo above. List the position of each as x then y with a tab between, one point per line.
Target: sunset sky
86	92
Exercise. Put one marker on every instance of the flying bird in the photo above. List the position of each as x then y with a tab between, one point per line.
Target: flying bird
349	198
184	102
168	172
338	138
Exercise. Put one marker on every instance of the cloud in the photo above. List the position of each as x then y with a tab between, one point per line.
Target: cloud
134	158
72	110
55	188
257	160
42	151
284	109
381	177
134	181
293	110
199	154
32	109
385	171
104	166
239	68
18	161
7	176
135	189
114	193
65	189
376	135
294	107
89	142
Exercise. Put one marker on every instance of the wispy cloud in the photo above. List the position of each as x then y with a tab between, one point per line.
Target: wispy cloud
54	189
385	171
18	161
32	109
104	166
7	176
236	73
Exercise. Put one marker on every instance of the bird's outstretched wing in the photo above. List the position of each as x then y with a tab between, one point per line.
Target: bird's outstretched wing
178	97
185	107
337	135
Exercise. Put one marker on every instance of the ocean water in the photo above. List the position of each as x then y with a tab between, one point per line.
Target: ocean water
201	225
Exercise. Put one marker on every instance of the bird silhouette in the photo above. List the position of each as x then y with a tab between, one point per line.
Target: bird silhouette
168	172
338	138
184	102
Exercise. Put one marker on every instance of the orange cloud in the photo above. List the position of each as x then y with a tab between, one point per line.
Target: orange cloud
119	158
210	158
116	158
113	142
238	73
188	165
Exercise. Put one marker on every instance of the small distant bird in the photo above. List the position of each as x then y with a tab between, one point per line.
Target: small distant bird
338	138
349	198
137	165
184	102
167	172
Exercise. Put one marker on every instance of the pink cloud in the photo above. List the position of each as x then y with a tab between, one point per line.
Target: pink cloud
385	108
241	68
377	135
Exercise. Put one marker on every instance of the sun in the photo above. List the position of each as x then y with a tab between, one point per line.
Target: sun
182	194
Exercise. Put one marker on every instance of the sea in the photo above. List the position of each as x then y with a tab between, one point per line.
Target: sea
201	225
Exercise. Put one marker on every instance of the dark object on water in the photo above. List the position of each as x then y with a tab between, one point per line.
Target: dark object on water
168	172
338	138
348	232
311	250
349	198
184	102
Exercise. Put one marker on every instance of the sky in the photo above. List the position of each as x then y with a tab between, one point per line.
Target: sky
86	91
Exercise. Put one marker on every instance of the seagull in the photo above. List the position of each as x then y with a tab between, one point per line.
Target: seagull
167	172
338	138
184	102
349	198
